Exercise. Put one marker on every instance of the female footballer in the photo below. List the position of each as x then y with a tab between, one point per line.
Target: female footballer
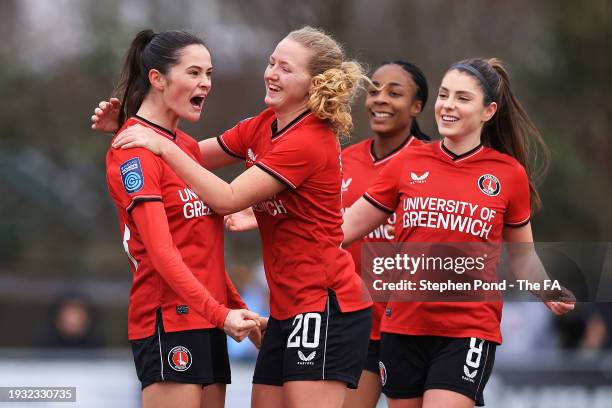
180	294
436	354
317	336
397	95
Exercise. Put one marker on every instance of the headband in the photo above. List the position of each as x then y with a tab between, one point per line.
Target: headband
477	74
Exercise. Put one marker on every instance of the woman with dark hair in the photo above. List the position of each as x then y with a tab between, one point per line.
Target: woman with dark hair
317	335
437	354
396	96
180	293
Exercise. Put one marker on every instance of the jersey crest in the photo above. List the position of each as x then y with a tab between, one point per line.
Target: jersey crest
489	184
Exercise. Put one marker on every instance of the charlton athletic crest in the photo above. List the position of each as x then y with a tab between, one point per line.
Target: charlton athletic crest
489	184
383	372
179	358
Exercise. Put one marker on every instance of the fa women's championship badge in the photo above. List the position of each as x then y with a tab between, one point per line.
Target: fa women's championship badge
131	175
489	184
179	358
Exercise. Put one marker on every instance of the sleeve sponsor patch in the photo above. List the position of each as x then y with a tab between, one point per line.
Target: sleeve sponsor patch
131	175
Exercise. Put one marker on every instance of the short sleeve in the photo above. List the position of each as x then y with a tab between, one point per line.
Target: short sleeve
294	158
233	141
134	176
518	211
384	193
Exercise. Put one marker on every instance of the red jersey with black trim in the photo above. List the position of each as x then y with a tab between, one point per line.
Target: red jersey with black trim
442	197
135	176
300	227
360	168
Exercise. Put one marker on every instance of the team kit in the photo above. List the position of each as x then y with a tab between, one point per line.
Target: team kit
317	207
303	350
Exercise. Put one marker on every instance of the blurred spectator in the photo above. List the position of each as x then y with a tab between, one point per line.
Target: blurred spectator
605	314
71	324
595	334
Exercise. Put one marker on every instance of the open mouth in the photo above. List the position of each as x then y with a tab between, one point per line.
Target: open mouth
273	88
197	102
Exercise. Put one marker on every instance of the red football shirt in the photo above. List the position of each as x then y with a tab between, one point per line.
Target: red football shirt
300	227
443	197
360	168
187	300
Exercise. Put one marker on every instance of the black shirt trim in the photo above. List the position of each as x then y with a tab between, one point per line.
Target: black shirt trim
459	156
163	129
375	204
522	224
276	176
276	133
392	152
141	200
228	151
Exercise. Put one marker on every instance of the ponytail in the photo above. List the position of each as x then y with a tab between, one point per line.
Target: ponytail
510	130
335	81
333	92
415	130
148	51
133	81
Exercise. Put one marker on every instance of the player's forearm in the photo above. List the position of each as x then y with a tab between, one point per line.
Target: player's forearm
213	156
217	194
167	261
524	264
234	300
360	219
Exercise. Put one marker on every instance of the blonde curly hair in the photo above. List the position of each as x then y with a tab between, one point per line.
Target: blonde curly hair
335	82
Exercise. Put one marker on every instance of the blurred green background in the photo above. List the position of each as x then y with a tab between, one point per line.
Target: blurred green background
59	229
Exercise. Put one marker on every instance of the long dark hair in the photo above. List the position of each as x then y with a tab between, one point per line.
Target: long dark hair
510	130
422	91
148	51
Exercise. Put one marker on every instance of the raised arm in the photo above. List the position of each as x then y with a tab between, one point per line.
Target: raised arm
252	186
361	218
213	156
106	116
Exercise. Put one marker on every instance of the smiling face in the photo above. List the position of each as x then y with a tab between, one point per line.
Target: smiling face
187	83
391	102
460	110
287	78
